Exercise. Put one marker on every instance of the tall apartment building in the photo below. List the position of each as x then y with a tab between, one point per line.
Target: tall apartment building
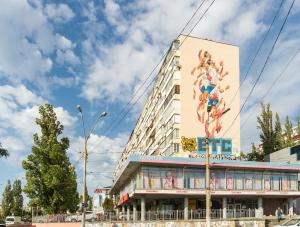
172	110
162	168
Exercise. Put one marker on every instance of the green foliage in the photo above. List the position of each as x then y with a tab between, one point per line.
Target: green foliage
51	179
7	200
288	132
3	152
89	199
279	139
17	198
108	204
255	155
265	121
298	129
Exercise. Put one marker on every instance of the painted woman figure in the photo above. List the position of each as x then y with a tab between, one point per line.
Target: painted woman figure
168	180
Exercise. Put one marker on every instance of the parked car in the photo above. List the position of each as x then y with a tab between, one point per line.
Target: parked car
12	220
89	216
2	223
294	222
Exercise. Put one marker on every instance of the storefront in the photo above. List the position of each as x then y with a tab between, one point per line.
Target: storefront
177	185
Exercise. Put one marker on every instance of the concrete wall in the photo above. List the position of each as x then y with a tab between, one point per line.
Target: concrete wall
191	126
232	223
283	156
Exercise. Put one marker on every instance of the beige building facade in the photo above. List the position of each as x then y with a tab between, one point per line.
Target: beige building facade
161	173
196	73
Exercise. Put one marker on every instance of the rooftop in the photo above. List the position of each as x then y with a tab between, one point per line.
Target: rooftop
133	162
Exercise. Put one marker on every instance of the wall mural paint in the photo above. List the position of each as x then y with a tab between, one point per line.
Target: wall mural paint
208	90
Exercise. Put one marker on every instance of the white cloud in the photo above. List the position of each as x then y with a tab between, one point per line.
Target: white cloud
28	43
19	109
59	12
114	16
284	94
20	94
65	81
118	67
66	56
104	152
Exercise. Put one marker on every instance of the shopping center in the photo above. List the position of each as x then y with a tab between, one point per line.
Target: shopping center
161	172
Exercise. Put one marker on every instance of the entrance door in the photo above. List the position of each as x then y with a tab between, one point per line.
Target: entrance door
230	209
237	210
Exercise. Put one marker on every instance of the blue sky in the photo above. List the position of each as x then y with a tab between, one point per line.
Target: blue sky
97	53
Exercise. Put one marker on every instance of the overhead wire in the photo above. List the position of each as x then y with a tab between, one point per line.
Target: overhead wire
152	71
153	80
257	52
113	126
280	75
262	70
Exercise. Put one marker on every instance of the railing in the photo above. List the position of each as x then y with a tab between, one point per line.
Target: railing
50	218
163	215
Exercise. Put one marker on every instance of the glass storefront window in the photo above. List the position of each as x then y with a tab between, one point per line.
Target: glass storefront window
178	178
217	179
284	182
199	179
248	181
229	180
293	179
267	182
189	179
257	181
239	180
276	182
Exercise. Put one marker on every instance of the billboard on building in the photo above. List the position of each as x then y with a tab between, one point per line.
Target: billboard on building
210	80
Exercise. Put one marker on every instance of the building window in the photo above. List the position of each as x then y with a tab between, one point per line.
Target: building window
175	90
293	179
248	181
258	181
276	180
176	147
217	180
267	182
230	180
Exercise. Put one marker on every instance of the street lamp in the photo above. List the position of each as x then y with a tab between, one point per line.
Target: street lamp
86	137
207	171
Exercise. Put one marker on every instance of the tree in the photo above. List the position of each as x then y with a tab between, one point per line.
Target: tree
108	204
3	152
51	179
17	198
7	200
255	155
265	121
279	140
298	130
288	132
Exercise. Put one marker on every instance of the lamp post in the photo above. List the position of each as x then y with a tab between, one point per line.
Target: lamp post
207	172
86	138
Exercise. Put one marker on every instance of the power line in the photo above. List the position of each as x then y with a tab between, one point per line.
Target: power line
262	70
124	115
152	71
151	82
257	52
272	85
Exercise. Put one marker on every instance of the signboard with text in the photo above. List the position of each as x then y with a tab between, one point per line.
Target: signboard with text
217	146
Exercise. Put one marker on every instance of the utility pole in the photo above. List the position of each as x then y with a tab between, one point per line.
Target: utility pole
84	183
207	174
86	138
207	171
